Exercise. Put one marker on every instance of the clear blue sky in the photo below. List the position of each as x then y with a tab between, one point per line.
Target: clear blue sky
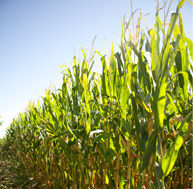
38	36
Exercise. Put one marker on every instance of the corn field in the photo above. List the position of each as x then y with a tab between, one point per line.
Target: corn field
127	127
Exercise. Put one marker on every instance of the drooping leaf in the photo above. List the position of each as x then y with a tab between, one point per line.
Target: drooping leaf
171	155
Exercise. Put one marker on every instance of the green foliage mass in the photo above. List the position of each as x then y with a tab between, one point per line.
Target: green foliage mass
128	127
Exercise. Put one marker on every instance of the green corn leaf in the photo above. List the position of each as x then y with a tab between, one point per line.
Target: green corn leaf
166	45
182	62
107	179
171	106
105	86
160	23
158	105
169	32
112	71
187	75
129	75
171	155
90	68
122	183
189	2
158	176
180	4
124	99
112	145
190	46
86	95
142	42
147	46
150	150
155	63
135	113
119	63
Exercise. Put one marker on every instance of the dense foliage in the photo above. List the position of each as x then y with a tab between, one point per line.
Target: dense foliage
128	127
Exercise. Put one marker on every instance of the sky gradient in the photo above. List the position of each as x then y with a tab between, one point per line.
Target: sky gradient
38	36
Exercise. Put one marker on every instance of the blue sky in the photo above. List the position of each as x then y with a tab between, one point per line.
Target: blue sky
38	36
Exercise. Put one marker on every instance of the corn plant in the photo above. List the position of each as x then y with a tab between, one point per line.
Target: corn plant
128	127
